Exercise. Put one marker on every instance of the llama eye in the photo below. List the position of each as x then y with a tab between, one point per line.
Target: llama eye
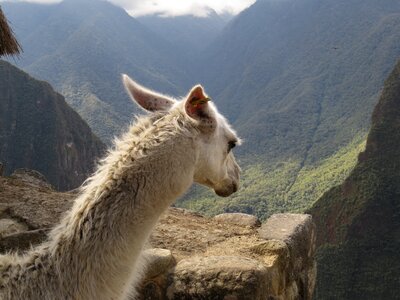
231	145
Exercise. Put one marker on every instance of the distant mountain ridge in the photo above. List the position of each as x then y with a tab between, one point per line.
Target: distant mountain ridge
82	47
358	222
297	78
190	35
39	130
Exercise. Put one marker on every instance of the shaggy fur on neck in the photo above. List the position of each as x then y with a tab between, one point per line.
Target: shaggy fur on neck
94	253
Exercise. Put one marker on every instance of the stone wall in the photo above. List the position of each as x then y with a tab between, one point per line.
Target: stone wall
274	262
228	257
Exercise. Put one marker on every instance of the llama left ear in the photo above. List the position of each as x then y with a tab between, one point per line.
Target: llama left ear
147	99
196	105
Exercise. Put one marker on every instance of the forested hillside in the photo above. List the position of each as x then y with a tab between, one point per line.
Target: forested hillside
38	130
358	222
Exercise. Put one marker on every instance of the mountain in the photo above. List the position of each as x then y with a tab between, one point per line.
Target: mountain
299	80
358	222
82	47
189	34
39	130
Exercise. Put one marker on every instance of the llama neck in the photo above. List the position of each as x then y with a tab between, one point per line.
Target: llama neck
99	242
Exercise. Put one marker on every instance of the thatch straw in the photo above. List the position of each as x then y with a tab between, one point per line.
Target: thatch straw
8	44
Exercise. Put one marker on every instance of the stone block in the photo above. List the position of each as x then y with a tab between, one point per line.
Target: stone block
218	278
158	261
238	219
297	231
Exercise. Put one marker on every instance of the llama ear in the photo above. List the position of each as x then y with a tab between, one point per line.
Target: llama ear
146	98
196	105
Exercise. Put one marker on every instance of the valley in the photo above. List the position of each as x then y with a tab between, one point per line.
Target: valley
297	81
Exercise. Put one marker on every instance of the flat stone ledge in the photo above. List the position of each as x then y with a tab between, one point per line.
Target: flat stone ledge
285	227
296	230
238	219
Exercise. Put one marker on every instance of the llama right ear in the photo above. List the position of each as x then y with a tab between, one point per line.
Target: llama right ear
196	104
146	98
197	107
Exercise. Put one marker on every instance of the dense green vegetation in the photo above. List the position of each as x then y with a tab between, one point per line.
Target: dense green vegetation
298	80
358	222
259	185
38	130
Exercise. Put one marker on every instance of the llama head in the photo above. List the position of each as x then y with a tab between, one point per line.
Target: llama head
216	166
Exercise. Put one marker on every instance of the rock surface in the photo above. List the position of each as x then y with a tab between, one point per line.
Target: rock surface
32	203
32	177
190	256
10	226
238	219
158	261
39	130
22	240
297	232
218	277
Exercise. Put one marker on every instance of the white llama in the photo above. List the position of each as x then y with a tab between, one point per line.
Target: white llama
95	252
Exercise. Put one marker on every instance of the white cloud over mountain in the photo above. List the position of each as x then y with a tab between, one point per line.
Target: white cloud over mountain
171	8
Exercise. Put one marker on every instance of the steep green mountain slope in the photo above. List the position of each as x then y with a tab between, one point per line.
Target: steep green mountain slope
82	47
358	222
38	130
299	79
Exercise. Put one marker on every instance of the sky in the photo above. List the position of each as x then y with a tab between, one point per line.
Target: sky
171	8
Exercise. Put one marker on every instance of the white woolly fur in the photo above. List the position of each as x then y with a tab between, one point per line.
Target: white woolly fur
95	252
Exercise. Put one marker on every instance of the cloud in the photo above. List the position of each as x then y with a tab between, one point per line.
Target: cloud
33	1
171	8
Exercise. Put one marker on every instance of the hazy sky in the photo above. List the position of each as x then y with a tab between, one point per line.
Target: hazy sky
172	7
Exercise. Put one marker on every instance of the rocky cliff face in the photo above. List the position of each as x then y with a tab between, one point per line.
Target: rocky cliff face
359	221
39	130
229	257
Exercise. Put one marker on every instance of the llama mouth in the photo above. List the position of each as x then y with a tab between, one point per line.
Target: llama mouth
223	193
227	192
